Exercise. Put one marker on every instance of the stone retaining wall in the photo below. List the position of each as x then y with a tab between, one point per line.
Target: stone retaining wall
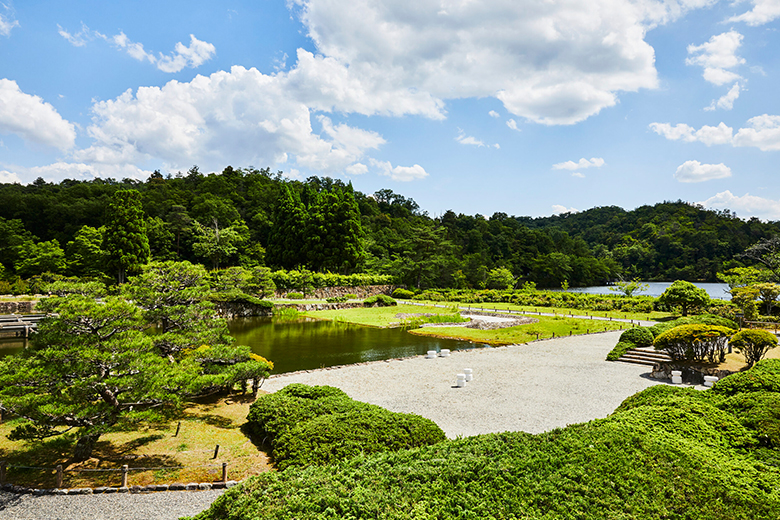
17	307
362	292
690	374
193	486
303	307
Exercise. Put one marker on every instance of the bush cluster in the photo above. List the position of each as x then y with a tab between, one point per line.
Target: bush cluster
294	296
631	339
403	294
306	281
667	452
318	425
380	300
695	342
337	299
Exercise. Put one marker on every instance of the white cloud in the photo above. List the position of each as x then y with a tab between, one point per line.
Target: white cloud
7	20
579	175
399	173
512	124
80	38
7	177
708	135
33	119
558	209
762	132
550	62
356	169
746	206
493	113
726	102
464	139
193	56
716	56
241	116
694	171
70	170
595	162
764	11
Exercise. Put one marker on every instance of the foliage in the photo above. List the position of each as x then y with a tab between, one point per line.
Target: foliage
321	425
629	288
337	299
403	294
85	253
764	376
379	300
350	296
294	296
702	319
695	342
685	295
306	281
767	253
666	452
640	336
745	298
214	243
500	278
618	350
743	276
64	287
753	344
43	257
124	240
768	293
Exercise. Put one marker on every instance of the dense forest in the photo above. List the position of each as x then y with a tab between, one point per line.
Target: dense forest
253	217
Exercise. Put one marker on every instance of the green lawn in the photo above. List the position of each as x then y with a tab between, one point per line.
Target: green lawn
376	316
545	328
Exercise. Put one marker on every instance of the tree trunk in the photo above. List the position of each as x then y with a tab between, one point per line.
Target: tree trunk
84	447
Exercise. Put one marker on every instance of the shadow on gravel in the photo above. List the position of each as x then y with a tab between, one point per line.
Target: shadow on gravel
8	500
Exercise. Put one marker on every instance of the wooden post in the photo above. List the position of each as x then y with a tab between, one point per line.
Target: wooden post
178	427
224	472
124	475
216	451
2	472
59	476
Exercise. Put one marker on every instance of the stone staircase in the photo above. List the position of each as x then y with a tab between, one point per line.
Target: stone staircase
645	356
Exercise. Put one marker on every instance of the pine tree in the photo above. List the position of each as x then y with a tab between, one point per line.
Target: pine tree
125	240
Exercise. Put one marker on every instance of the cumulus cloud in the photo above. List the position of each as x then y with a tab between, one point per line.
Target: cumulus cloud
550	62
399	173
764	11
80	38
241	116
7	21
595	162
183	56
579	175
694	171
762	132
512	124
746	205
726	102
493	113
462	138
717	56
356	169
74	170
558	209
33	119
7	177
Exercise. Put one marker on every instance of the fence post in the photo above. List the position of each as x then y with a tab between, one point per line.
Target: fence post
178	427
124	475
2	472
224	472
59	476
216	451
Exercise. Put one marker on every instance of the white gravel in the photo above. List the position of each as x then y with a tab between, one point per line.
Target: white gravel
533	387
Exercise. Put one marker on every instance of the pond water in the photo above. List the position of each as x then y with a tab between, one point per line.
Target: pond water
655	289
306	344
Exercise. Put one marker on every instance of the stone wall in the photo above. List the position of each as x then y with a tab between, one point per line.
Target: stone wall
17	307
303	307
362	292
241	309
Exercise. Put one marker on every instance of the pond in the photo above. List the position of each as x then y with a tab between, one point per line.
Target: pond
306	344
715	290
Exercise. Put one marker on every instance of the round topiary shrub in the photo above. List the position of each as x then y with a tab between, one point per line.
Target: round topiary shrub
640	336
403	294
621	348
753	344
695	342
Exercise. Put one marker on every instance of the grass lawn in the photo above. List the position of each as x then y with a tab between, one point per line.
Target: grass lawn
375	316
652	316
545	328
203	425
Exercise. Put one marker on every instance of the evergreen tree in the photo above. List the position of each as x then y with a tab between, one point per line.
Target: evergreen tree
125	241
286	240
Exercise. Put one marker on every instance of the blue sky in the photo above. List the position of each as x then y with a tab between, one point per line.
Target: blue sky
526	107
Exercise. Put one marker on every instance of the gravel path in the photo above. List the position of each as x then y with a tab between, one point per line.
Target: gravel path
162	505
533	387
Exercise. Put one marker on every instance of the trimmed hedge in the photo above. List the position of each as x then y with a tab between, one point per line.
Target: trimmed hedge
380	300
403	294
621	348
702	319
753	344
764	376
318	425
695	342
640	336
666	452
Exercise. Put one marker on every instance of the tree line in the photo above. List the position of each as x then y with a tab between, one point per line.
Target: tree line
253	217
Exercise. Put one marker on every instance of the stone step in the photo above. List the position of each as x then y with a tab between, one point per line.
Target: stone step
645	356
637	361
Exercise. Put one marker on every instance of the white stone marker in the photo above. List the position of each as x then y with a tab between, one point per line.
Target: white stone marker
460	380
676	377
431	354
445	352
469	376
710	380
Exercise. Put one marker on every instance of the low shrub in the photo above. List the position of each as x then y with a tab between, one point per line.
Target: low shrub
640	336
320	425
350	296
294	296
753	344
758	411
702	319
621	348
380	300
403	294
336	299
764	376
695	342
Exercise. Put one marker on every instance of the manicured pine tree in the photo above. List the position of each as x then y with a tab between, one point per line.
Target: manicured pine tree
125	241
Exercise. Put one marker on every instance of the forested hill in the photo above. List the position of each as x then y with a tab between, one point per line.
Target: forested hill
323	224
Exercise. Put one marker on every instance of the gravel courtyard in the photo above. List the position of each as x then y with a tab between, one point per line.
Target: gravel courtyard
534	387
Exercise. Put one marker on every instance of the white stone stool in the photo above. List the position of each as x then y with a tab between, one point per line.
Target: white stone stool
710	380
460	380
676	377
445	352
431	354
468	373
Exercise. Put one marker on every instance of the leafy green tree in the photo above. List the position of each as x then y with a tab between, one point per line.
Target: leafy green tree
13	237
333	232
89	370
766	252
179	222
745	299
160	239
214	243
753	344
125	241
43	257
629	288
742	276
85	255
768	293
500	278
685	295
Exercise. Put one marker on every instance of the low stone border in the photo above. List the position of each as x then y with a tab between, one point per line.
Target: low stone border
192	486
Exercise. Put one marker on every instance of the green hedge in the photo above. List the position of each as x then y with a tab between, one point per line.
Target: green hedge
665	453
702	319
305	281
403	294
764	376
695	342
621	348
380	300
320	425
630	339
